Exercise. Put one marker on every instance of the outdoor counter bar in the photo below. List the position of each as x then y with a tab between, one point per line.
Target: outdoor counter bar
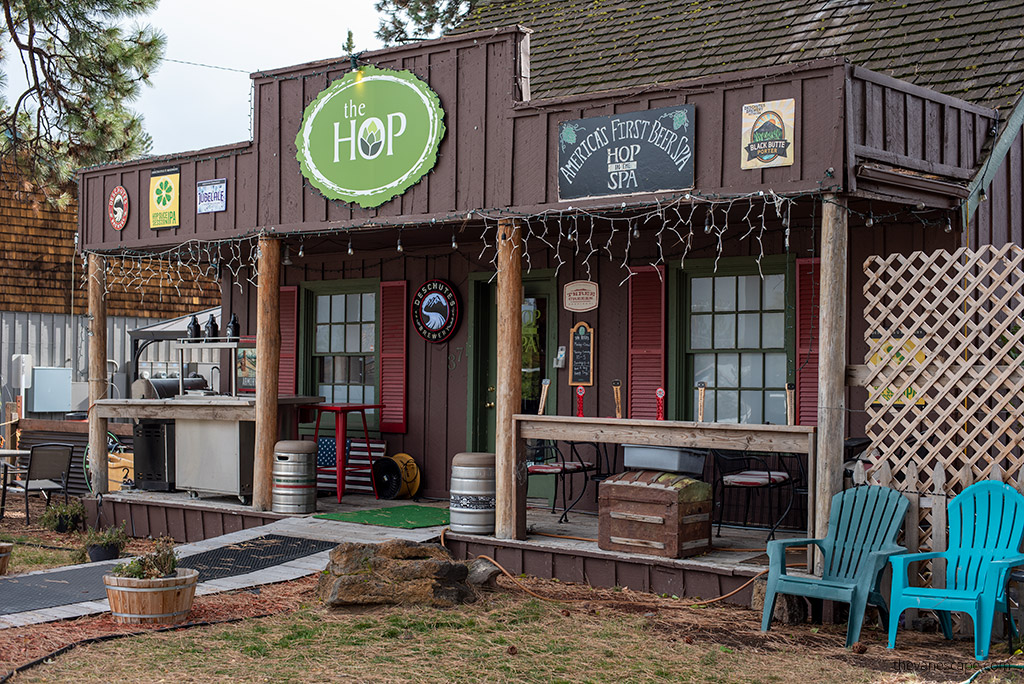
799	439
214	436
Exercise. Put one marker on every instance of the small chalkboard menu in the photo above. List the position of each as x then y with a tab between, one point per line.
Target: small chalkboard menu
581	359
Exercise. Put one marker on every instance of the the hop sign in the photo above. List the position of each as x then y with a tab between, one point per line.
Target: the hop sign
370	136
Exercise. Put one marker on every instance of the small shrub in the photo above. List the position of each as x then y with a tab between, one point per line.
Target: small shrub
63	517
109	536
161	562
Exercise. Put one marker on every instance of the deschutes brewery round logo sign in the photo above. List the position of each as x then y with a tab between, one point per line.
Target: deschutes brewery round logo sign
435	311
117	207
370	136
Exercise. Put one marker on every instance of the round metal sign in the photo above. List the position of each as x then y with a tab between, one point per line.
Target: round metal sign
435	311
117	207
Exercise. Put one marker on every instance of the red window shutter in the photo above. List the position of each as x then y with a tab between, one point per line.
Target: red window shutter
646	340
393	346
287	375
808	334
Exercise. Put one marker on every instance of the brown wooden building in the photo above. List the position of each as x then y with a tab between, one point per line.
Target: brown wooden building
748	281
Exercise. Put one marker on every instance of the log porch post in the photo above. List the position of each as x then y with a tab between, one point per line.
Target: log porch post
510	495
268	361
97	372
832	360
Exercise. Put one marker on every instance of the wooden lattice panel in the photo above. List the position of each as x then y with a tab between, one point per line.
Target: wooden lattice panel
945	385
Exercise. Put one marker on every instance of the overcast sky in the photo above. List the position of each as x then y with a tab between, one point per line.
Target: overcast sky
191	107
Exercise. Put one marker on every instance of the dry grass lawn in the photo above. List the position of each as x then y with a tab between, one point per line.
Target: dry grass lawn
506	636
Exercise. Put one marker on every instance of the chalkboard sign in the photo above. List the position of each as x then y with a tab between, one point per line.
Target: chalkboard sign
581	359
627	153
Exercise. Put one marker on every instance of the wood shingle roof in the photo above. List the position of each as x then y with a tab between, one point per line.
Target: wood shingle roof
964	48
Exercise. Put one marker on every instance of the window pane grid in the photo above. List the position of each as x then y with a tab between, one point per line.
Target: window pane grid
741	320
344	346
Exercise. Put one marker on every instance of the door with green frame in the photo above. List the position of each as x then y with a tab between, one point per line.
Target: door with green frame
539	337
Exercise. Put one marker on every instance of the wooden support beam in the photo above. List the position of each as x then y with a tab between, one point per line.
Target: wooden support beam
97	372
268	361
832	361
510	499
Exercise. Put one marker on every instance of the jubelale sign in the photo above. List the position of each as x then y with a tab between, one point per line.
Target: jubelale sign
370	136
626	154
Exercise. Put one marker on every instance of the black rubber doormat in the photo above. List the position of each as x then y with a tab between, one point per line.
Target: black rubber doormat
64	587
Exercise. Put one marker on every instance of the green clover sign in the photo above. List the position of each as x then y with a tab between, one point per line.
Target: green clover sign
164	193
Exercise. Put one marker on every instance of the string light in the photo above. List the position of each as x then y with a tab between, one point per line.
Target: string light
236	259
302	248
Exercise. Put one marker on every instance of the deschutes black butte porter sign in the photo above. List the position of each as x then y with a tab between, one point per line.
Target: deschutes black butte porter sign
370	136
626	154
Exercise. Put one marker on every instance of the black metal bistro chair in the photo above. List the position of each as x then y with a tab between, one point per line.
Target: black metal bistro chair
747	472
46	469
545	458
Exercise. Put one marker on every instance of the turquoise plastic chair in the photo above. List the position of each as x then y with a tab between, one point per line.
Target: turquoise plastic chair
862	529
986	524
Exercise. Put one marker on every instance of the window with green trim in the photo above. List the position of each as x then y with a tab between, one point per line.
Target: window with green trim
345	346
737	345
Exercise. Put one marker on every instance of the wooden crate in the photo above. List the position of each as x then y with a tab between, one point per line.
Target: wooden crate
663	514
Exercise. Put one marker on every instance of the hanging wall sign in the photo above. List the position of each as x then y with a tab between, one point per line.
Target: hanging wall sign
580	296
581	355
768	138
626	154
212	196
117	207
370	136
163	198
435	311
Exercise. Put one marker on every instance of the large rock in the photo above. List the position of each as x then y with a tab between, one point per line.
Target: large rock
393	572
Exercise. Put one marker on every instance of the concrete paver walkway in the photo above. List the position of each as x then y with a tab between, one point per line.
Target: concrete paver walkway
306	528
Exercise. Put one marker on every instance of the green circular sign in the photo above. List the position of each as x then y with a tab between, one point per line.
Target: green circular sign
370	136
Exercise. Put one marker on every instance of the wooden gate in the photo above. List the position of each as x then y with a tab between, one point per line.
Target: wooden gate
944	379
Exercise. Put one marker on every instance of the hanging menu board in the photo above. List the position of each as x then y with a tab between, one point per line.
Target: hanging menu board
581	359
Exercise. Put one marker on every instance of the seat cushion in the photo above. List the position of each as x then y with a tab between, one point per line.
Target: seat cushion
755	478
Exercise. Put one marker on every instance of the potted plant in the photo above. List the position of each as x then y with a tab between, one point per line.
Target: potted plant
151	588
105	544
63	517
5	556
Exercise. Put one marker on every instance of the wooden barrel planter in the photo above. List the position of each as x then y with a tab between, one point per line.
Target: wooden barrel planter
164	600
5	556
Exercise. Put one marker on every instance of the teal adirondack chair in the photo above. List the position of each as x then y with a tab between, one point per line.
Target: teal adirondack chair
986	524
862	528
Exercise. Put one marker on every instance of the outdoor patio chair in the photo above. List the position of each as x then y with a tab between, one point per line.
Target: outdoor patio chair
749	472
545	458
46	469
985	532
862	528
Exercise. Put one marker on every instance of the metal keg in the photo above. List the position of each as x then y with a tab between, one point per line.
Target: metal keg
471	507
294	476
